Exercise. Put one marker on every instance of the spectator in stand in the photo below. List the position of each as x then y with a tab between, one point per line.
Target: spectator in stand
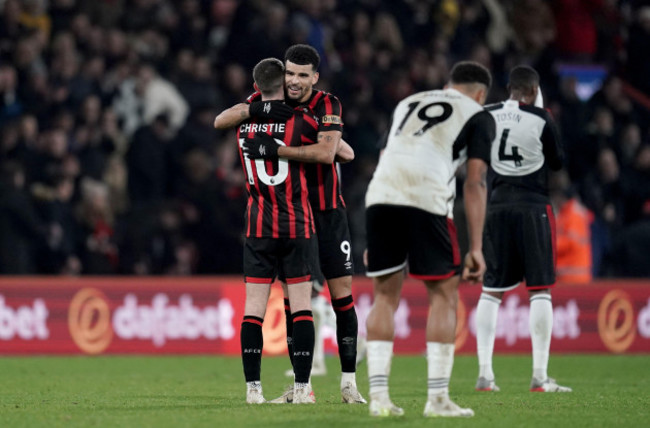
534	25
631	248
199	88
55	208
21	232
628	144
572	219
613	97
10	105
147	163
97	250
637	186
602	193
159	96
599	134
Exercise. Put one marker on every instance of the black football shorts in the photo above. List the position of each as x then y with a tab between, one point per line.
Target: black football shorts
519	243
397	235
334	248
290	258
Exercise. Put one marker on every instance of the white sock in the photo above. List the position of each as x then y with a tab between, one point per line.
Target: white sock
486	327
541	327
440	361
348	378
254	385
380	354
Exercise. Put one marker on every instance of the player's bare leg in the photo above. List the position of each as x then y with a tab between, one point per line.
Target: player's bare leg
441	335
347	329
257	296
486	326
541	328
381	329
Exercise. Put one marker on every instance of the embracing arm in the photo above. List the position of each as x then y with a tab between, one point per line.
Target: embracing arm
324	151
275	110
232	117
345	152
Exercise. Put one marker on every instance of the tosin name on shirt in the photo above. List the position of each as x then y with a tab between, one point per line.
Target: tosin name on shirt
262	127
508	117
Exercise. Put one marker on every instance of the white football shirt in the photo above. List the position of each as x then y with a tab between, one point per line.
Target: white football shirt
526	142
423	151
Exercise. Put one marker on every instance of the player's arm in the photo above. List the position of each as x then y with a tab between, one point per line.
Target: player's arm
265	147
328	110
324	151
232	116
475	198
330	129
345	152
275	110
479	133
552	145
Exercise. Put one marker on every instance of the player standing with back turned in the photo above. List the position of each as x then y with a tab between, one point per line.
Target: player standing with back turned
520	226
409	220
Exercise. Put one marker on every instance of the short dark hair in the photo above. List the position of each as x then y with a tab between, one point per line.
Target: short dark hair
470	72
523	78
269	75
303	55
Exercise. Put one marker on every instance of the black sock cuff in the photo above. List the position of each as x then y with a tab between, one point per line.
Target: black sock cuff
343	304
253	320
302	316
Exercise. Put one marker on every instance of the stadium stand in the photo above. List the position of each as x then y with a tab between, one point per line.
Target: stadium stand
109	163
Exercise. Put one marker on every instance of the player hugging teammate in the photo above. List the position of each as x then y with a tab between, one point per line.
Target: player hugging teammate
317	125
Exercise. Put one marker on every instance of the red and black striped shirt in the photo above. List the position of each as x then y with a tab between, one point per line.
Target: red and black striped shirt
321	112
278	203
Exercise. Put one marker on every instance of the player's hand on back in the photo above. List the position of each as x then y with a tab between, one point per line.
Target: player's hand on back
274	110
474	268
262	146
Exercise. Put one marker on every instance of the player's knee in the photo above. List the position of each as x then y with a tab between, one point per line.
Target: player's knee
340	287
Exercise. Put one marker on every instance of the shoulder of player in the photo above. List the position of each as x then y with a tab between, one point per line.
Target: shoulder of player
537	111
483	120
321	97
495	106
255	96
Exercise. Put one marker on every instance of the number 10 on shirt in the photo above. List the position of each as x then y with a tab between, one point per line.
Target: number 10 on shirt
260	167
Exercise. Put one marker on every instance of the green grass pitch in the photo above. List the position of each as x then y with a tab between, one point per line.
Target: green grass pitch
204	391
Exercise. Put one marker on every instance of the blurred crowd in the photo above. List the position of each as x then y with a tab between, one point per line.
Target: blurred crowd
109	163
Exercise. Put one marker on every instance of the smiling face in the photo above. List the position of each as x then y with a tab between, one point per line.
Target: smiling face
299	80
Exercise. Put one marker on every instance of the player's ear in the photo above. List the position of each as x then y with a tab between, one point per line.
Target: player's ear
257	88
314	79
480	95
535	91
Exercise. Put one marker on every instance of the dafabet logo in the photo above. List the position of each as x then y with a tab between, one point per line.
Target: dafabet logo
616	321
89	321
93	325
